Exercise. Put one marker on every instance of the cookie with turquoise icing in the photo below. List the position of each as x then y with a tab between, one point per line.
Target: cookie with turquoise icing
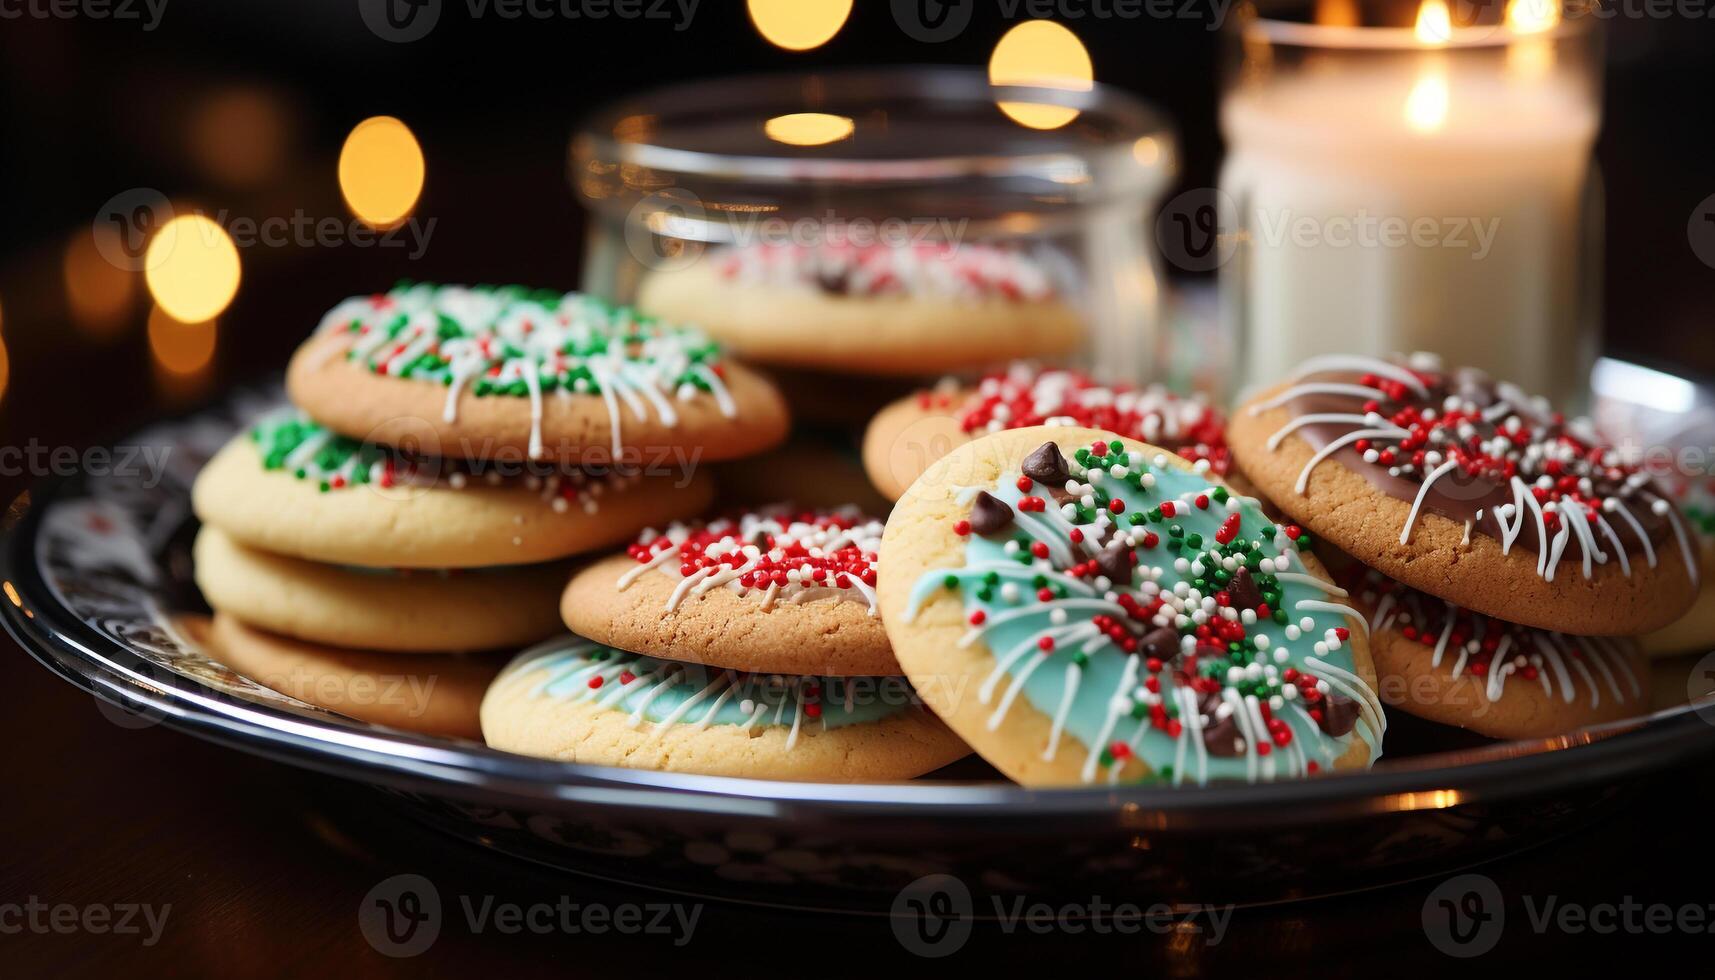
399	611
293	487
772	589
1087	609
578	701
486	373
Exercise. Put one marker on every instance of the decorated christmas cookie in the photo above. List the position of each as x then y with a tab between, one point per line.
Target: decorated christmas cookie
1469	490
579	701
431	694
1450	665
768	590
293	487
405	611
1087	609
484	373
913	432
908	310
1693	632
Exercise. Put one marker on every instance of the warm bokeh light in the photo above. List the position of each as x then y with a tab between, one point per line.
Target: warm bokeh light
381	171
799	25
1147	151
181	348
1337	13
239	136
1434	23
1426	106
1531	57
1044	54
99	294
192	268
1533	16
808	128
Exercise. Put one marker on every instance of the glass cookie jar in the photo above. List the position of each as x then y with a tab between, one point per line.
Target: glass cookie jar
905	223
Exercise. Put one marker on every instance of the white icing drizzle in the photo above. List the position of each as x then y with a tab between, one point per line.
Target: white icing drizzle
515	336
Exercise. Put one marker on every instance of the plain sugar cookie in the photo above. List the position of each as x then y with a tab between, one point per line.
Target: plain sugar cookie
371	609
908	435
768	590
431	694
578	701
1086	609
477	373
292	487
1469	490
879	310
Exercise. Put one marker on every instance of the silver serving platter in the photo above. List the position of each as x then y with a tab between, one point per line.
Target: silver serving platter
96	571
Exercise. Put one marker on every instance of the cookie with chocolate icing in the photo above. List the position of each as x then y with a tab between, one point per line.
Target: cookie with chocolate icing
1469	490
766	590
1449	665
579	701
910	434
434	694
403	611
487	373
293	487
878	310
1087	609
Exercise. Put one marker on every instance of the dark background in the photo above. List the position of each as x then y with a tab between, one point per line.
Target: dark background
264	865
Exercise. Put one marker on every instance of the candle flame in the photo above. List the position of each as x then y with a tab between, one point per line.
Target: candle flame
1426	106
1532	16
1434	23
1531	57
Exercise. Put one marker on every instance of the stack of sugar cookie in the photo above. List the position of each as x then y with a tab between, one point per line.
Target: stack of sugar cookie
742	646
448	449
1505	556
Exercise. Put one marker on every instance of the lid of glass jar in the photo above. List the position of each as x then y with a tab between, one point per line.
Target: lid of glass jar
873	127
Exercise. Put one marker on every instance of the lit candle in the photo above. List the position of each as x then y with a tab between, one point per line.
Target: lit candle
1416	188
